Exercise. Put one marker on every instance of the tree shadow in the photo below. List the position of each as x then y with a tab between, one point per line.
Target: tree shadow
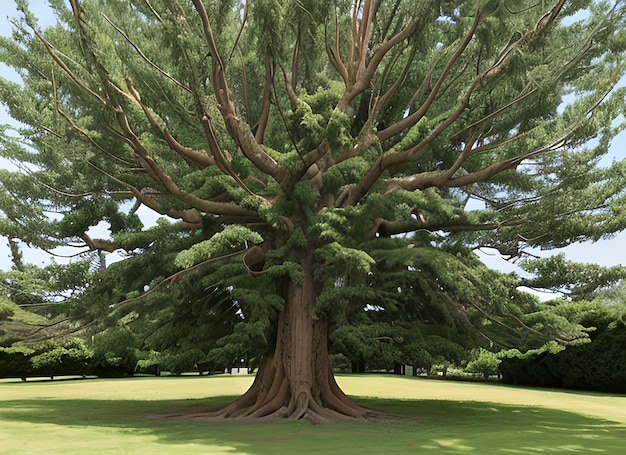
446	427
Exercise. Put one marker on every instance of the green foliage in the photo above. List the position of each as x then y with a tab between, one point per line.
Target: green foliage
337	260
483	362
228	240
10	311
15	361
596	365
248	342
347	172
577	281
115	353
371	346
54	359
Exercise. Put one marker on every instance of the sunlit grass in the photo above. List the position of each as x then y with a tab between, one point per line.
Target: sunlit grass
112	416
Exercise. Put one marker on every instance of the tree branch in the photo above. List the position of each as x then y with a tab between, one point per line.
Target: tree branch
334	55
267	96
390	227
181	274
189	216
238	130
412	119
197	157
217	208
363	73
398	157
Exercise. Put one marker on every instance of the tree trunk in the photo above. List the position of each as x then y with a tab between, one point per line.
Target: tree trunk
296	381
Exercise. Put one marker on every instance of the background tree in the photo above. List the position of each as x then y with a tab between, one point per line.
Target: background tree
285	138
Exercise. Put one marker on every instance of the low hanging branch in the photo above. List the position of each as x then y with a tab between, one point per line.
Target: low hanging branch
182	274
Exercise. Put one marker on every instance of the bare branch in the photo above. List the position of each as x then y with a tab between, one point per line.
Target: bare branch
52	52
398	157
363	73
145	198
388	227
217	208
244	19
99	244
197	157
334	54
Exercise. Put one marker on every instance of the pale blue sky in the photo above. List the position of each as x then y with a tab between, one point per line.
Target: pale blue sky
606	252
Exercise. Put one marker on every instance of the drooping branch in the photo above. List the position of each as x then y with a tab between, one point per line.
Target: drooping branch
172	279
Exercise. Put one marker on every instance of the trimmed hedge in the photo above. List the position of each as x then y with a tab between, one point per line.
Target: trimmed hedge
598	366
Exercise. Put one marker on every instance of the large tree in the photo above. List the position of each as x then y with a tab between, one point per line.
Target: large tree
287	139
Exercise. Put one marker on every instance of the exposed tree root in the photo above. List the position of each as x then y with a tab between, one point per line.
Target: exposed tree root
272	397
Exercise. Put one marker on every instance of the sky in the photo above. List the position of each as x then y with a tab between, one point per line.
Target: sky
604	252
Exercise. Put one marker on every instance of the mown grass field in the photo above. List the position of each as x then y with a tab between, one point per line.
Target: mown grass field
113	416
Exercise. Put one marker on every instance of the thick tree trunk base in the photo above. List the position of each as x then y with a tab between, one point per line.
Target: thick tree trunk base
273	397
296	381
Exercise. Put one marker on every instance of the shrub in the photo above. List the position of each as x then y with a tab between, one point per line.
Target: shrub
484	362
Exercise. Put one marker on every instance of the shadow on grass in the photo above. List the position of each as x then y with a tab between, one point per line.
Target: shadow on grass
444	427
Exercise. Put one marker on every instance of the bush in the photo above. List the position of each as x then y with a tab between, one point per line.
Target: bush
484	362
599	365
339	363
114	354
15	361
54	358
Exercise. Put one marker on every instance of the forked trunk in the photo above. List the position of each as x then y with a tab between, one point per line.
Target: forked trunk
296	382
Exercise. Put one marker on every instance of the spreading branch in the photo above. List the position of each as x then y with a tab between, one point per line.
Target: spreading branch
238	129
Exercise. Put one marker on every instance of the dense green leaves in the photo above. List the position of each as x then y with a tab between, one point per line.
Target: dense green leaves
575	280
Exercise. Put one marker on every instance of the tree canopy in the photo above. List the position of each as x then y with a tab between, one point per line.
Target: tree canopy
301	152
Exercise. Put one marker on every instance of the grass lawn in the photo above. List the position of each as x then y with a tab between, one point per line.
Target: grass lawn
110	416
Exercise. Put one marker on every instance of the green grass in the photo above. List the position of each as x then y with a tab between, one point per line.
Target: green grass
111	416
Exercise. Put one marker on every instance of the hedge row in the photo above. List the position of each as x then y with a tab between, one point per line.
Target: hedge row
598	366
